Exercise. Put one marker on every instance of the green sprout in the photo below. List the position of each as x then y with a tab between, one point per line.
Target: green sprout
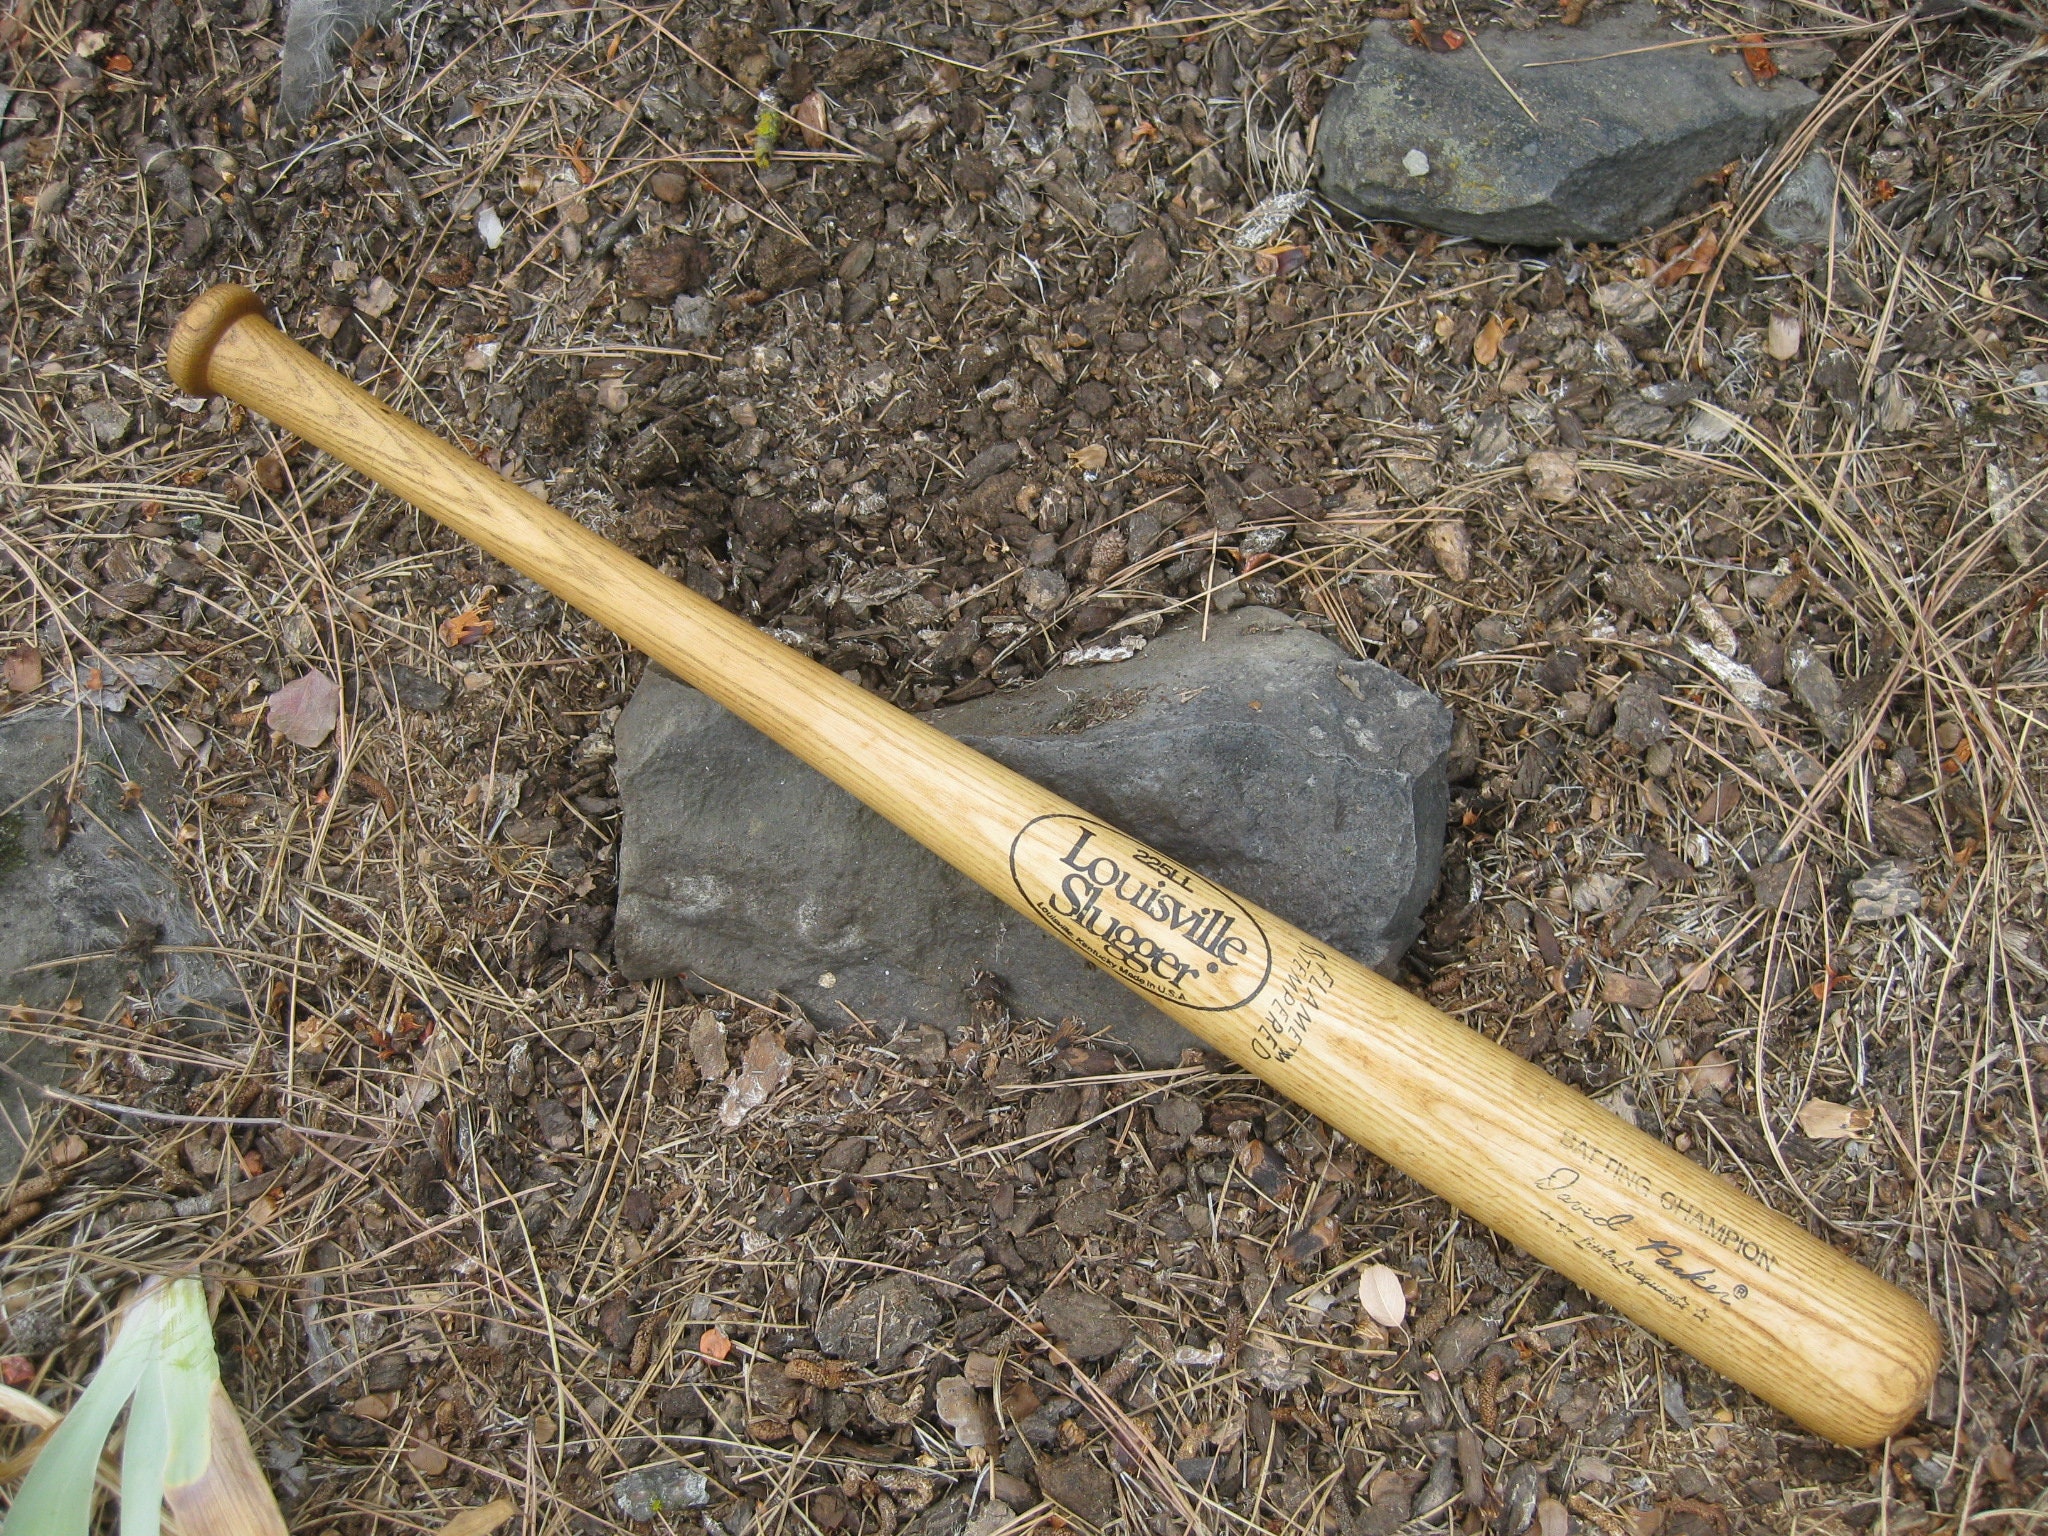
184	1443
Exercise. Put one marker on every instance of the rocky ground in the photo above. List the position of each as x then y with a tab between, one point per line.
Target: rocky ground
1726	554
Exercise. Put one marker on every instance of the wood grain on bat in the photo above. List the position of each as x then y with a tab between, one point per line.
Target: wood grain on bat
1671	1245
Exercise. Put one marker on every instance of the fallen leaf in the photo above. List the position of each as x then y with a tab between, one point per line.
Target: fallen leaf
714	1345
1638	992
427	1458
965	1412
1381	1296
17	1370
482	1520
1451	542
467	627
1758	57
1713	1073
305	710
810	117
24	669
1695	260
1486	345
707	1046
1825	1121
764	1067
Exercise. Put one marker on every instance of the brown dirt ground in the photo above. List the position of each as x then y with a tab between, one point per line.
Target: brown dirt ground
482	1231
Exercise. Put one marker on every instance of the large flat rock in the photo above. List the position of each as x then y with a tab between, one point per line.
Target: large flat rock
1606	147
1265	758
85	918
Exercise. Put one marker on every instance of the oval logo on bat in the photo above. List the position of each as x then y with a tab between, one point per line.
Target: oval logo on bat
1146	920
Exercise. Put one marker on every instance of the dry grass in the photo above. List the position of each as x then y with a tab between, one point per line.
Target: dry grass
409	908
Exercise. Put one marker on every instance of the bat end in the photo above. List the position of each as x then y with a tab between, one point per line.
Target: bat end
206	319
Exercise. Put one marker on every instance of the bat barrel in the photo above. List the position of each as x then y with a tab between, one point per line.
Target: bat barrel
1681	1251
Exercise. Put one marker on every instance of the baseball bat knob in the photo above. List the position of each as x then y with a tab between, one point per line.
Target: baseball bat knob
199	330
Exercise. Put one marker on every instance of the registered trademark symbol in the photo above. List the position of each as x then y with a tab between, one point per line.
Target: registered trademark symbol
1212	967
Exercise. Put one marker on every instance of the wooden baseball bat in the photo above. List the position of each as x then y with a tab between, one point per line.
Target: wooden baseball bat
1672	1246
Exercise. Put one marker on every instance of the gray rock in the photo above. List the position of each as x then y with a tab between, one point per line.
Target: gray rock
878	1321
1804	211
646	1492
1308	782
1616	142
108	891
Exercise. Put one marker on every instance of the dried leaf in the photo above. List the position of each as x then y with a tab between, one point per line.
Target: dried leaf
764	1067
1695	260
1451	542
1637	992
1381	1296
467	627
24	669
810	117
707	1045
1486	345
714	1345
1713	1073
1825	1121
426	1458
482	1520
305	710
1758	57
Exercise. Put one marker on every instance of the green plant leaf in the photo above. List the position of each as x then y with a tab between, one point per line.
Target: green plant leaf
55	1498
191	1370
142	1455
